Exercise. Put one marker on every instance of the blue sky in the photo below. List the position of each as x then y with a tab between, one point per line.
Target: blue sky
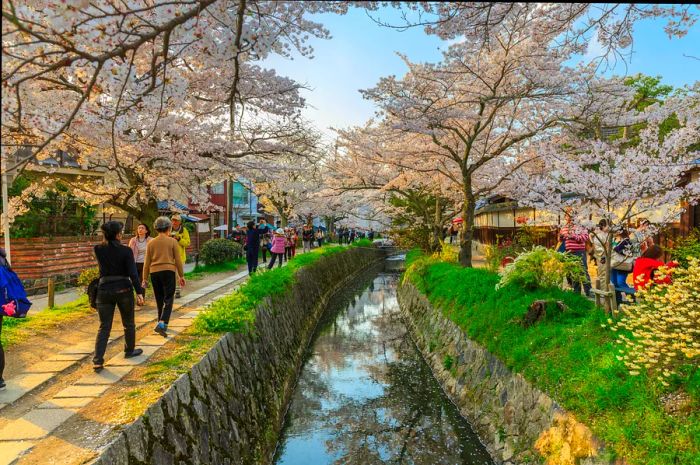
361	52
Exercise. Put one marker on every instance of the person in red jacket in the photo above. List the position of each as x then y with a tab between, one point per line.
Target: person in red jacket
646	268
574	240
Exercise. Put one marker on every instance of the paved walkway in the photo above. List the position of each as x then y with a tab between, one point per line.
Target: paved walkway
20	435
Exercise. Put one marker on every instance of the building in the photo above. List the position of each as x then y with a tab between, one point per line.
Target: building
231	203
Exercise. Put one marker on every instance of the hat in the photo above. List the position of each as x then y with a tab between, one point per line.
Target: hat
176	218
279	231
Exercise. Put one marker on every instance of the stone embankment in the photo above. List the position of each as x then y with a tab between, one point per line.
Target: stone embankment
230	407
517	422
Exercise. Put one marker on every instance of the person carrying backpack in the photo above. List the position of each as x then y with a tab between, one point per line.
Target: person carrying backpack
13	302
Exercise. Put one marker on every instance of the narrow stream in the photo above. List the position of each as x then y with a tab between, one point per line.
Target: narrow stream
365	395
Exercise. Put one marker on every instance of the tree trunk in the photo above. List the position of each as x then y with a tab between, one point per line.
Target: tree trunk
284	219
437	226
465	241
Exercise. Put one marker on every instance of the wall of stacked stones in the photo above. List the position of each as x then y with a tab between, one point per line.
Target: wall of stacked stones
510	416
230	407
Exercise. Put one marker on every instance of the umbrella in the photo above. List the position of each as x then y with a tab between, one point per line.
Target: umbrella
223	227
458	220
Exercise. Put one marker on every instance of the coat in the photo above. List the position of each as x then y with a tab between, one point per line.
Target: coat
183	242
644	270
278	244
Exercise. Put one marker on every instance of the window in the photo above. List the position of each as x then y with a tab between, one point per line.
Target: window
217	188
240	194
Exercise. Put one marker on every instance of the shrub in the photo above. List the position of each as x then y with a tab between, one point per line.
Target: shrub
686	248
219	251
542	268
87	275
663	325
447	253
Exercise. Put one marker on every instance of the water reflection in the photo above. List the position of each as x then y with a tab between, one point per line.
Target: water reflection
366	397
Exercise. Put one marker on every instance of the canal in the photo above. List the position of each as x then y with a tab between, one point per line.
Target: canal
365	395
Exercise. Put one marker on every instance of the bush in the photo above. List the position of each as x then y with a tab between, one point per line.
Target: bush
218	251
663	325
542	268
686	248
87	275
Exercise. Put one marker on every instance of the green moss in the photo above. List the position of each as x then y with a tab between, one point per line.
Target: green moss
571	357
447	362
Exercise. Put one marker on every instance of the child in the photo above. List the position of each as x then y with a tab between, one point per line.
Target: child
278	243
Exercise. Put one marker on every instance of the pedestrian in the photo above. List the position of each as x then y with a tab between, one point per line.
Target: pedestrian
180	233
370	235
265	238
454	230
575	238
307	237
138	247
646	268
277	250
252	246
621	263
352	236
295	239
319	236
118	281
287	243
164	265
600	241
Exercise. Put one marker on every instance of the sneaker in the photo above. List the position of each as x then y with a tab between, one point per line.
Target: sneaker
133	353
3	386
177	293
161	328
98	367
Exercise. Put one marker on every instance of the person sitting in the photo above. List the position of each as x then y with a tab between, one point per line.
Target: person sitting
646	268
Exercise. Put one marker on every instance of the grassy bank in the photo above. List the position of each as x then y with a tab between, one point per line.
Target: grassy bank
572	358
16	330
236	312
201	270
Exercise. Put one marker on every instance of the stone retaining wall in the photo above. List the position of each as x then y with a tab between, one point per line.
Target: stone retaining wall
230	407
517	423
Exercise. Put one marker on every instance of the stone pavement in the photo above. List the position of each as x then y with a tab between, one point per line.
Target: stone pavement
20	435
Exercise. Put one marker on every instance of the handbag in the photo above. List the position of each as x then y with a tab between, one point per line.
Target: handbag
94	286
621	262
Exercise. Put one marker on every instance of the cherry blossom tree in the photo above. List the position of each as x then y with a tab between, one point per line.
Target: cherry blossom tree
479	107
157	93
638	173
570	27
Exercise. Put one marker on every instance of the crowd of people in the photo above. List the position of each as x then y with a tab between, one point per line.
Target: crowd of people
157	261
633	252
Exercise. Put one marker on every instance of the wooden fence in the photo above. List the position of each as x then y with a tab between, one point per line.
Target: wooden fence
64	258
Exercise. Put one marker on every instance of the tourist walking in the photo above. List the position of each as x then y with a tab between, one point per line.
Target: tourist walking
164	265
277	250
307	237
295	239
118	281
180	233
575	238
288	243
138	246
352	236
252	246
319	236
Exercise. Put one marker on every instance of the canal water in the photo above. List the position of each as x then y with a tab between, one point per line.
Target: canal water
365	395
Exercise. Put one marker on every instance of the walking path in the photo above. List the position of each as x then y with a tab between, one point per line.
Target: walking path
21	426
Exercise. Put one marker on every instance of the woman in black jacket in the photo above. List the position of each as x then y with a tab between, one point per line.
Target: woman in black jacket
118	279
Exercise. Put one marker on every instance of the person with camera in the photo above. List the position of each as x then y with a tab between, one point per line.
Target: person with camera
118	281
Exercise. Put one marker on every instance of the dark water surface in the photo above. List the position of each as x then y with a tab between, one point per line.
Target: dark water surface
365	395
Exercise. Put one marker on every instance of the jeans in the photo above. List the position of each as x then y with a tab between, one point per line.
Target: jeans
587	282
274	257
106	302
251	257
164	291
2	351
288	252
265	250
619	279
